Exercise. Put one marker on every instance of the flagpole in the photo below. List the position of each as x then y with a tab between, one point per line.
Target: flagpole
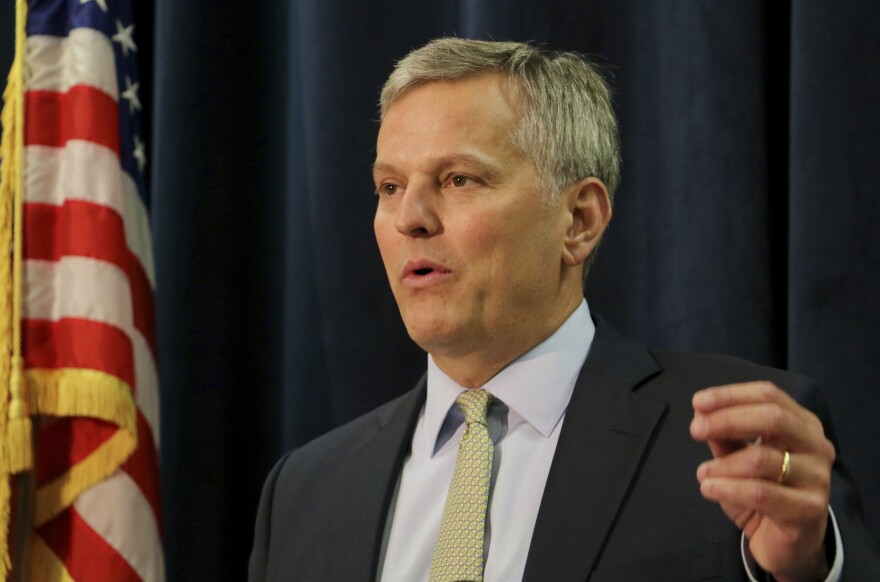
24	489
22	439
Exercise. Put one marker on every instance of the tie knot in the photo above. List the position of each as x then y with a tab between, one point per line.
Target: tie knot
474	404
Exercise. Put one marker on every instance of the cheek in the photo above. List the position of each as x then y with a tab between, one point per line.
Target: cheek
385	239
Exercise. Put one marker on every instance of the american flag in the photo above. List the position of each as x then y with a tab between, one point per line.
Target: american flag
88	331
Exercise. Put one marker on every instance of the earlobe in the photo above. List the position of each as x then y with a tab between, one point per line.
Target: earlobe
589	211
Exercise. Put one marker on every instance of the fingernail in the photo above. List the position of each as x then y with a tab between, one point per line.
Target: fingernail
706	487
701	471
702	398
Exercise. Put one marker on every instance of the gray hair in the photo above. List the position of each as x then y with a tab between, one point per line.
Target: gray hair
567	129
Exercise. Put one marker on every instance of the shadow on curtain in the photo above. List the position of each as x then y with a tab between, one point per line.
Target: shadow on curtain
745	223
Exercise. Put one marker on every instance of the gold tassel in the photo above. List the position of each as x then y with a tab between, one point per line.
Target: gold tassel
16	453
18	432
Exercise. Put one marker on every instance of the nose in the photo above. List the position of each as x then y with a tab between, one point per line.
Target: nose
417	213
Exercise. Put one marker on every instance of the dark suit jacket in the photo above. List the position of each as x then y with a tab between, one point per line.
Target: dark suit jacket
621	502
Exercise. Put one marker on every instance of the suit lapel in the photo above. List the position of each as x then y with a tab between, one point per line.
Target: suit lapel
371	475
605	435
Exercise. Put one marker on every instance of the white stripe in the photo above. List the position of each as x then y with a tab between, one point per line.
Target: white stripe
78	287
97	290
117	510
84	57
147	379
138	236
86	171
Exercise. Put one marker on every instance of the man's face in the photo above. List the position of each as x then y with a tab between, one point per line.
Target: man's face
472	255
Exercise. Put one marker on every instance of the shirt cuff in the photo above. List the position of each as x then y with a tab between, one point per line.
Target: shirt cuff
756	574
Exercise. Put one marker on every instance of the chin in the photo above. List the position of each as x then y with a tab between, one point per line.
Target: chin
429	333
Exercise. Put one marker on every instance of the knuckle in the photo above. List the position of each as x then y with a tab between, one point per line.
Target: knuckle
830	451
759	459
824	481
775	419
767	389
816	425
756	494
721	397
814	507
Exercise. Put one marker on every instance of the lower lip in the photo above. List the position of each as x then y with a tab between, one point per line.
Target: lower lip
414	281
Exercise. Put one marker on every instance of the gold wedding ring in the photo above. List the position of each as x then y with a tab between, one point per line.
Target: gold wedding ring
786	468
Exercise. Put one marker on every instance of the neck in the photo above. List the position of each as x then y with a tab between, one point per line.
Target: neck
473	368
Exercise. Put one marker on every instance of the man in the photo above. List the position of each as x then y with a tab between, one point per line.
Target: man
541	445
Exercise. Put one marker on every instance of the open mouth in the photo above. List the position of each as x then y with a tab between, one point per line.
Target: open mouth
424	272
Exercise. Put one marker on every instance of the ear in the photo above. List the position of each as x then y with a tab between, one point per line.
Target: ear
588	212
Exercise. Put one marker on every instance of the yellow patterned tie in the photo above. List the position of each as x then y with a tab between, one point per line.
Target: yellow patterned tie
458	553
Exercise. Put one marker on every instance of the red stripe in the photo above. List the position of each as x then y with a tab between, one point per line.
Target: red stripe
68	441
86	555
91	230
82	113
143	468
77	228
78	343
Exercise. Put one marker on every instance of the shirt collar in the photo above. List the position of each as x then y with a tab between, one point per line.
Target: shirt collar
537	385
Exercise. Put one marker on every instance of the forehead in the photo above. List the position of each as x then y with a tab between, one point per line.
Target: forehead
478	112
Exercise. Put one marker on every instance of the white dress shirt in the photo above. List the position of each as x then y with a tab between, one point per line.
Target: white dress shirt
534	391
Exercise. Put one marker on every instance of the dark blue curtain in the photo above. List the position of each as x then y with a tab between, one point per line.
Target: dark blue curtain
746	222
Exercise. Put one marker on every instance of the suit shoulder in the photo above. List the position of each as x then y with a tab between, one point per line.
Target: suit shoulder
704	370
347	437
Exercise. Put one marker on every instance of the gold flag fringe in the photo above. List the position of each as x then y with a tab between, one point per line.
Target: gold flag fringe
16	453
90	393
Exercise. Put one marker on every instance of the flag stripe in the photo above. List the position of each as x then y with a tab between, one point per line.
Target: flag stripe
56	177
85	57
73	439
78	343
143	468
84	552
137	539
79	287
87	172
90	230
83	112
75	228
99	291
147	385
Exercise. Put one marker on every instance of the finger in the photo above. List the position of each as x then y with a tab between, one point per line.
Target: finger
784	505
769	421
718	397
718	447
762	462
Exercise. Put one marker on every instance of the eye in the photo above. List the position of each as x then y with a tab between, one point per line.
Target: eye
460	181
386	189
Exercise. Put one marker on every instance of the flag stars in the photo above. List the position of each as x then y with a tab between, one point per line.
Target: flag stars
102	4
139	153
123	36
130	95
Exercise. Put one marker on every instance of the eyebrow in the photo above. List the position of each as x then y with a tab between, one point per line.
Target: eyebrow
450	160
